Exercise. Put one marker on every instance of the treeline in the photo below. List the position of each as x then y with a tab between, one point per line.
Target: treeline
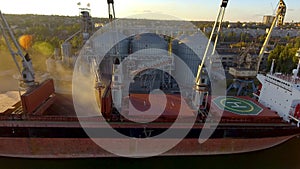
51	29
284	55
48	33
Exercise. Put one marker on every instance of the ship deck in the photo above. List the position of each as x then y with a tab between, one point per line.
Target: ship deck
57	133
240	109
243	109
287	78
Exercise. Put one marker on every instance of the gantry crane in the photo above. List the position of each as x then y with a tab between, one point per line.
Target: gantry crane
279	18
244	77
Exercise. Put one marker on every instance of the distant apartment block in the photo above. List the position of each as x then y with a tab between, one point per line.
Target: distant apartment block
268	19
231	60
277	32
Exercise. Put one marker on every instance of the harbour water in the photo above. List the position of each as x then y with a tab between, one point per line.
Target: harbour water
284	156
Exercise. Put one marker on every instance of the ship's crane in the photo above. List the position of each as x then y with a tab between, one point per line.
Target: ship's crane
200	84
111	10
38	97
111	17
27	72
106	91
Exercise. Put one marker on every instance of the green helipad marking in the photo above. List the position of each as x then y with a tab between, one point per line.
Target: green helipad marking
237	105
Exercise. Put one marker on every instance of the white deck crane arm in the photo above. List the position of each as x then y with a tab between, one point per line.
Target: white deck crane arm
200	88
219	20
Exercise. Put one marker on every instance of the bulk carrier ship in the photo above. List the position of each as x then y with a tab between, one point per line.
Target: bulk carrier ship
46	122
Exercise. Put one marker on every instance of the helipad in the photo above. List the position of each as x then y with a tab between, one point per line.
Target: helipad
237	105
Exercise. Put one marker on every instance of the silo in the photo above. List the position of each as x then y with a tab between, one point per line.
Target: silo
120	50
149	51
66	52
56	53
50	64
106	45
189	57
190	51
175	44
148	41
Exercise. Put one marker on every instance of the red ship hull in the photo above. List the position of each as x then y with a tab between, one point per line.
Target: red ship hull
234	134
86	148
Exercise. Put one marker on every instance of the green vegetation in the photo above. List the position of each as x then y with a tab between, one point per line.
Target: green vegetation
285	59
44	48
48	33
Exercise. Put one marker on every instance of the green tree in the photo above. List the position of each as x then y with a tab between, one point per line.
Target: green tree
274	55
297	43
262	39
285	58
44	48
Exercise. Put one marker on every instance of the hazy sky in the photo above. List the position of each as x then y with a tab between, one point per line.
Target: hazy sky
237	10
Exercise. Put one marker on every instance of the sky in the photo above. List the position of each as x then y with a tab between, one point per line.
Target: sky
237	10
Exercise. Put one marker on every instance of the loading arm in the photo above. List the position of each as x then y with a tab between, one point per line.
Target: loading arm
27	72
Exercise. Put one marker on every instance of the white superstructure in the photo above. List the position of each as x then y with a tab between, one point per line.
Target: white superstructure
281	93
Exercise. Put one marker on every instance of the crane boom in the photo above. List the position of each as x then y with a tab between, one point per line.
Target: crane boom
27	73
219	20
200	88
279	18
